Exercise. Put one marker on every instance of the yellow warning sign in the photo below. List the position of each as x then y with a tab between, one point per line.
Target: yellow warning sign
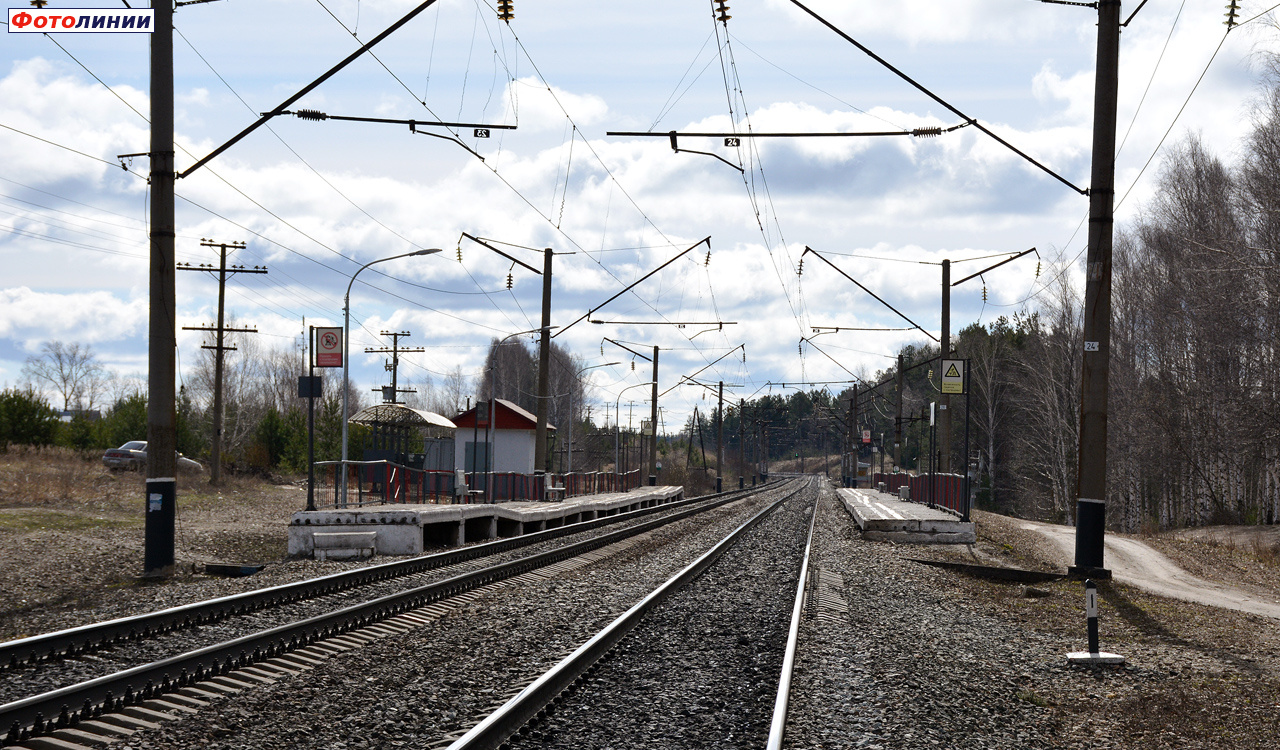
953	375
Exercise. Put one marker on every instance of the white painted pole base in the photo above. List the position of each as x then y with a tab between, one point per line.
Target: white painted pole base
1092	658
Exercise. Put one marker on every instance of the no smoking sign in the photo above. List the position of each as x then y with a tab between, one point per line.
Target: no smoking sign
328	347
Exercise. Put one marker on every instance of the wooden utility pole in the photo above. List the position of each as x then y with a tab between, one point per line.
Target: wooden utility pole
219	346
393	366
162	341
1091	474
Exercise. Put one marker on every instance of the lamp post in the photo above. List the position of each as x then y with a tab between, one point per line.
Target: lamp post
346	349
617	422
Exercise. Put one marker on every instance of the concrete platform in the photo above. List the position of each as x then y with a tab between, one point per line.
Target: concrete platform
404	529
884	518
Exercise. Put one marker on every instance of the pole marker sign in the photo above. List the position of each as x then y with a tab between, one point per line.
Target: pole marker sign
328	347
81	21
953	376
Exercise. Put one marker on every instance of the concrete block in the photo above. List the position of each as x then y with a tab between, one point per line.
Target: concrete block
904	492
344	545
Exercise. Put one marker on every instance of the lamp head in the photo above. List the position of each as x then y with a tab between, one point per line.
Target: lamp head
428	251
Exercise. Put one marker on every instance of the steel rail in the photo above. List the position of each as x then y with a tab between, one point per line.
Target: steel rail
34	715
778	726
77	640
498	726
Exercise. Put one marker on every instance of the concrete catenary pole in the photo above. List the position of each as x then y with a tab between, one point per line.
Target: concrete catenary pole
851	475
720	441
541	456
944	400
897	422
162	423
653	424
742	443
1091	474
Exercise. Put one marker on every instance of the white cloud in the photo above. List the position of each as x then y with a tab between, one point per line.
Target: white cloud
32	317
540	107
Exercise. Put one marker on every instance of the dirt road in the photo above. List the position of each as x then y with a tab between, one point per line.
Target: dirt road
1136	564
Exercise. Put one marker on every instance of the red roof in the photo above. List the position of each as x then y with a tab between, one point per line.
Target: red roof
508	416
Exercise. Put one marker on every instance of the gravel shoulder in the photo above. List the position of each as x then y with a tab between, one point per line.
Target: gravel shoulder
1197	676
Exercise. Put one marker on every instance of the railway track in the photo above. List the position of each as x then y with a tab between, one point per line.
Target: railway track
157	682
687	666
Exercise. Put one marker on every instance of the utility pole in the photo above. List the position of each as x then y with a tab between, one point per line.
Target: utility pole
162	341
720	441
944	401
742	443
897	422
851	478
1091	474
653	424
541	457
215	467
393	366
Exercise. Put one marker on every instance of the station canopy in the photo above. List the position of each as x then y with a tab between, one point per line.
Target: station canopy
399	415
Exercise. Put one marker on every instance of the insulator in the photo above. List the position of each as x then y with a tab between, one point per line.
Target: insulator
505	11
707	263
508	280
800	271
931	373
722	11
984	292
1037	269
927	132
1233	10
310	114
459	253
633	365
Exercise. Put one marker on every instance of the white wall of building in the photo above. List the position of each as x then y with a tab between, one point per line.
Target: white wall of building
512	450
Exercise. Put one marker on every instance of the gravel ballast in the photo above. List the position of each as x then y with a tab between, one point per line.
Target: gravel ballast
31	679
436	680
700	671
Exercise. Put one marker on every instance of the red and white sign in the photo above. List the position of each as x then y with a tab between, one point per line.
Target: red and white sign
328	347
866	436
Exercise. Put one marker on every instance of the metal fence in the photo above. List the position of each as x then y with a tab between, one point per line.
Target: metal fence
386	482
945	490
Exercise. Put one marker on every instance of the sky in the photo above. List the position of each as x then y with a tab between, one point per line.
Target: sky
315	200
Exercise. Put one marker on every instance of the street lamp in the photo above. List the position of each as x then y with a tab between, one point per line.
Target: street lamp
617	422
346	348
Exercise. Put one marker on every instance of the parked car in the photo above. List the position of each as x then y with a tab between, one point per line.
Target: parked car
133	456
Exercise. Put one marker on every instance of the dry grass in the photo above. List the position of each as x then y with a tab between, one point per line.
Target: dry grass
71	532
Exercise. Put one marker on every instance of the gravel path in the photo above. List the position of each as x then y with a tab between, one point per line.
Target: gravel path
1135	563
701	670
415	689
49	675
